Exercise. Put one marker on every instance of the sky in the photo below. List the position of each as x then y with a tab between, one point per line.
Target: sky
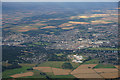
60	0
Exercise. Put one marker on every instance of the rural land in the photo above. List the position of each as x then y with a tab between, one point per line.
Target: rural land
60	40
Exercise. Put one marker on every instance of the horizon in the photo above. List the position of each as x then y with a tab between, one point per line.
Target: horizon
59	1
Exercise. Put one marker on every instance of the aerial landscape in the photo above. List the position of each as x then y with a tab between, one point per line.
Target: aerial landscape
55	40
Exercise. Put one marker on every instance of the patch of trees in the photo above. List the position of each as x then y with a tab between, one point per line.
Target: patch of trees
67	66
57	58
10	53
13	66
29	69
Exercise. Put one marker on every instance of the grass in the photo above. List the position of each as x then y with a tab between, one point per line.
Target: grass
104	66
93	61
75	65
60	54
25	65
54	64
62	76
112	49
57	64
8	73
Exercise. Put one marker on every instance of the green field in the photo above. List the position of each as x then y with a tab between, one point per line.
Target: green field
104	66
57	64
25	65
7	73
111	49
59	54
54	64
62	76
93	61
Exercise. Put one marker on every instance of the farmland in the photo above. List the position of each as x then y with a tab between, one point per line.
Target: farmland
60	40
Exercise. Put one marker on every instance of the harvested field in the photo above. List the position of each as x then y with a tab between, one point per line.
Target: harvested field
109	75
23	75
117	66
106	70
48	27
78	22
58	71
83	71
87	75
43	69
65	24
100	22
68	28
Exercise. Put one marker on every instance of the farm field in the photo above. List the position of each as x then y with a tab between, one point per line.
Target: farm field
43	69
91	75
93	61
88	71
104	66
111	49
56	71
57	64
8	73
22	74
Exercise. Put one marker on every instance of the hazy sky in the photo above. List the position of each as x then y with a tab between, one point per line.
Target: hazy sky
59	0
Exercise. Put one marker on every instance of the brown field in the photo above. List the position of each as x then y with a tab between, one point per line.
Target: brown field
22	75
39	24
65	24
106	70
83	71
117	66
26	29
78	22
99	22
43	69
58	71
23	30
91	75
109	75
68	28
100	15
85	68
83	16
48	27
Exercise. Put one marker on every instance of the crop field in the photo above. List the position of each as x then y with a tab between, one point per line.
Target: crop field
117	66
7	73
53	69
91	75
43	69
106	70
57	64
93	61
48	27
103	49
30	65
104	66
58	71
22	74
54	64
110	75
86	66
62	76
87	71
